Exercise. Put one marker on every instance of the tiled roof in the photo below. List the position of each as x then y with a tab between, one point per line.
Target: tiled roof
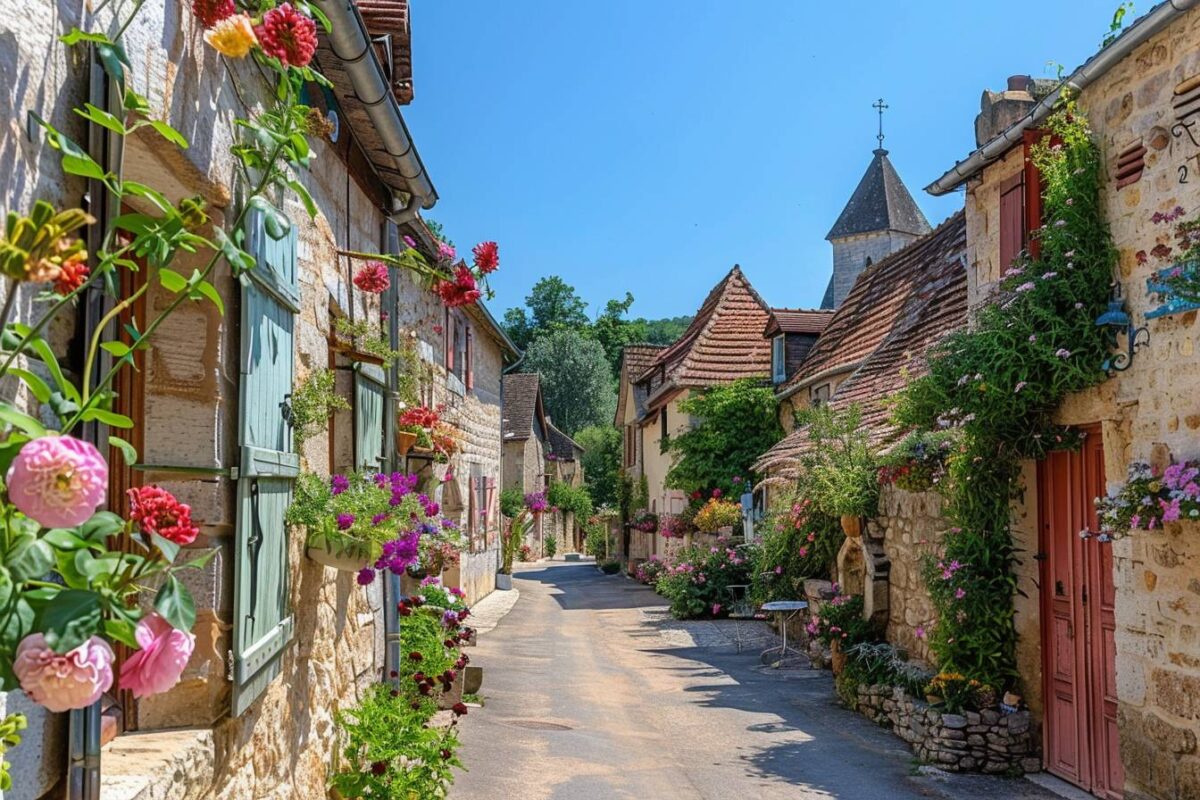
388	23
928	300
798	320
635	360
878	300
522	405
880	203
723	343
562	446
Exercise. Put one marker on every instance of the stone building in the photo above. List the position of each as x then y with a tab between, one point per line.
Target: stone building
880	218
793	333
565	465
723	343
1108	631
876	341
281	641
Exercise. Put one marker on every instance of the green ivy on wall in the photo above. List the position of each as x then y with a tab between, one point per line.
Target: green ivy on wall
999	382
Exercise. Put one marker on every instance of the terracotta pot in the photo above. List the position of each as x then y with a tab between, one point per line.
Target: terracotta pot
472	680
852	525
404	442
837	658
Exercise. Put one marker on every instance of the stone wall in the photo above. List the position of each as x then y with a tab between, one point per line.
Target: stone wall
912	527
850	254
984	741
1149	412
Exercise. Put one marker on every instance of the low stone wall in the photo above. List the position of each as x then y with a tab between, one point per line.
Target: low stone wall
984	741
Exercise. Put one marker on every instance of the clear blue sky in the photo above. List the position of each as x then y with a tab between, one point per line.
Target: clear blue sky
651	144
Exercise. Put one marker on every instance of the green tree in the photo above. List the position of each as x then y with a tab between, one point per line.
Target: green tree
576	381
552	304
737	424
614	331
601	462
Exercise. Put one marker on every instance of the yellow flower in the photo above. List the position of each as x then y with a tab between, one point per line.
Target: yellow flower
232	36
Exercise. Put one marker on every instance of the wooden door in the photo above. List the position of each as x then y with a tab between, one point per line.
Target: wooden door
1078	653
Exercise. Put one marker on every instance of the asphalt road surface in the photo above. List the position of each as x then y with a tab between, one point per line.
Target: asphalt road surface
593	693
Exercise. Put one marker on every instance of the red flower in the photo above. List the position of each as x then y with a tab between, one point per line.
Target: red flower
71	274
288	35
459	709
379	768
373	278
446	754
461	291
420	416
156	510
487	256
210	12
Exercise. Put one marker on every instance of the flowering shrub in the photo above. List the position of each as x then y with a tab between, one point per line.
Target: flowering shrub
840	620
717	514
670	526
918	462
536	503
649	571
525	553
798	542
1147	500
645	521
697	582
1179	269
839	466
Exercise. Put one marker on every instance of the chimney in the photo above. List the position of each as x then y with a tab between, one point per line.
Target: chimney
1000	110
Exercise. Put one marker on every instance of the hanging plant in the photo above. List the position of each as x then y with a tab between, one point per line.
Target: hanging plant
1149	499
314	402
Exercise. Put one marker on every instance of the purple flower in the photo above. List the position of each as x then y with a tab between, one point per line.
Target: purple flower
431	509
1020	385
366	576
1048	275
960	593
450	619
411	242
344	521
339	484
1025	287
378	518
400	553
1032	338
1062	353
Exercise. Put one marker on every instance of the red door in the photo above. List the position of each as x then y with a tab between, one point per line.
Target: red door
1078	652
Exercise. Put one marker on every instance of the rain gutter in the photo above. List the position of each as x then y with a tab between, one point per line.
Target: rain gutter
1135	36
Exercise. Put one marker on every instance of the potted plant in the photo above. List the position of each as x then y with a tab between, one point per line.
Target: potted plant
839	470
718	516
645	521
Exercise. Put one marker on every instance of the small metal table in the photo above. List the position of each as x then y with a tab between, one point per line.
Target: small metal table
780	608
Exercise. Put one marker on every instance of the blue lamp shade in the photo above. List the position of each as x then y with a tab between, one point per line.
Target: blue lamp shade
1115	316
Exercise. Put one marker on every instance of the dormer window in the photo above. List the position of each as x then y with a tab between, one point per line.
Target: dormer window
778	359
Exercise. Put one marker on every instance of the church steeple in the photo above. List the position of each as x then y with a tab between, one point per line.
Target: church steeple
880	219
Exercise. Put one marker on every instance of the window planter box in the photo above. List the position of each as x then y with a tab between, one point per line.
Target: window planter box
341	554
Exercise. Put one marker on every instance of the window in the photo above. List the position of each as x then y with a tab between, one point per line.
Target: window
778	356
459	355
662	426
820	394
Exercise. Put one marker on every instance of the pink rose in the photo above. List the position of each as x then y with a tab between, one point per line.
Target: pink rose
63	681
58	481
157	666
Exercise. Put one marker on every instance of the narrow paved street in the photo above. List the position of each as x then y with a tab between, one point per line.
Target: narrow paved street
593	692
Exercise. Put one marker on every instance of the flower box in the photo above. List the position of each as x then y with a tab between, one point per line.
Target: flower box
341	553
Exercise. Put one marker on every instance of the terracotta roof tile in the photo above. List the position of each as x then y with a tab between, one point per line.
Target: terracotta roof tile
798	320
635	360
562	446
390	18
723	343
929	301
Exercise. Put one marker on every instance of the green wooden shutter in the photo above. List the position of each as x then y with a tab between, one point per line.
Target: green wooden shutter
370	392
267	466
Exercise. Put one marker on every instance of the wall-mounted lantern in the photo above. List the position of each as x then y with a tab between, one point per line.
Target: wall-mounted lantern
1116	321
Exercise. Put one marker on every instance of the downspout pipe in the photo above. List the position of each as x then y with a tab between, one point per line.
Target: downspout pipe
351	44
1137	35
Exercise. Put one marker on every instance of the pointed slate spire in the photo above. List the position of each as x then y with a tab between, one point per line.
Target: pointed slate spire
880	203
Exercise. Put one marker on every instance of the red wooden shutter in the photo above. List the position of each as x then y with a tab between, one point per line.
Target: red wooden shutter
490	504
1012	220
448	337
469	361
1033	192
471	511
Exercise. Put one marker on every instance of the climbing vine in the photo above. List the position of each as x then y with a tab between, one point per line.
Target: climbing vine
998	383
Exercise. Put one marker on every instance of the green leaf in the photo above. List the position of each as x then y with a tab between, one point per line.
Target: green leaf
209	291
35	383
172	281
9	449
239	260
102	118
107	417
302	192
118	349
128	451
120	630
70	619
114	60
75	36
102	525
198	561
165	546
174	603
274	221
64	539
170	134
30	558
22	421
48	358
153	195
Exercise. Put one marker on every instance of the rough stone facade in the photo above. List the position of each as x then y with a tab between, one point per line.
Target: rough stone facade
853	254
912	526
1146	413
985	741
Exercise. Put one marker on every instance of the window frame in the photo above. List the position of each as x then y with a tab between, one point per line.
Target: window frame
779	358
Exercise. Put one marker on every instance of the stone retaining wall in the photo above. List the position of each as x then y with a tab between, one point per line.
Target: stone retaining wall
984	741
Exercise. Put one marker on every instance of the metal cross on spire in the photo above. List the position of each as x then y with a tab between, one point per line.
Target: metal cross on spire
880	106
